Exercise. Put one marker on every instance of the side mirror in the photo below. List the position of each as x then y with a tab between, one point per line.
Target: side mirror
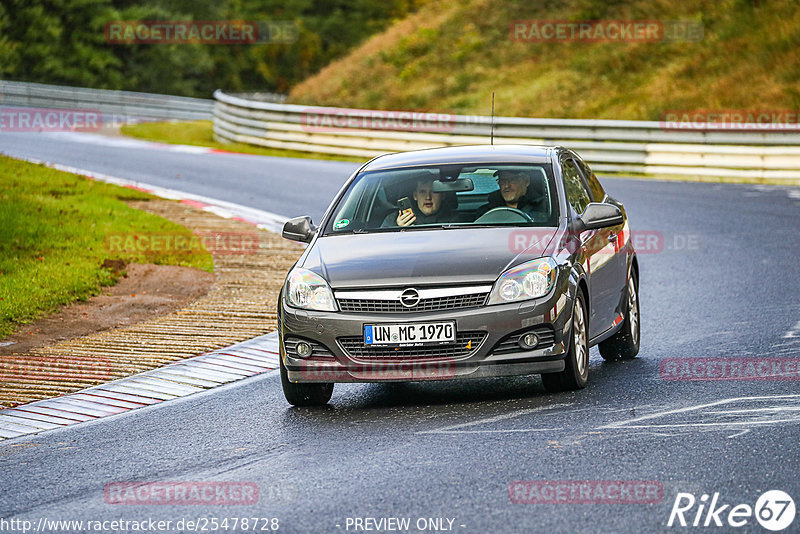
299	229
599	215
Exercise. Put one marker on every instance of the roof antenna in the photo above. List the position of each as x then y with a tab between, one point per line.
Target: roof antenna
491	138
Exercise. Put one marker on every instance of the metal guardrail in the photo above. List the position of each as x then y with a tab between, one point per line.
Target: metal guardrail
646	147
113	105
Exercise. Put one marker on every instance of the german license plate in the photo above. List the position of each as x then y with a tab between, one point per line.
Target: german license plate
410	334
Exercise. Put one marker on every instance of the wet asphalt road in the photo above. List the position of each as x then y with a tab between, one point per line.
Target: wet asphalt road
718	280
283	186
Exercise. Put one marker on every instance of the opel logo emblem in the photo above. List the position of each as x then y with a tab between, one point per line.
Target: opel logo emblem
409	298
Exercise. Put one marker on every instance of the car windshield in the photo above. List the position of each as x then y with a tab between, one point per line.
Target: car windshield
448	196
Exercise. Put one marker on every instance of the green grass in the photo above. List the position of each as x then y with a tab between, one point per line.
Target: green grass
452	56
200	133
54	228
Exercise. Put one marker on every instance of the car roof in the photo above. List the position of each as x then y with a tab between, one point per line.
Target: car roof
463	154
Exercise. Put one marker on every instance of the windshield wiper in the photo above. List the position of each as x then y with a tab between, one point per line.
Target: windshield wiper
349	232
451	226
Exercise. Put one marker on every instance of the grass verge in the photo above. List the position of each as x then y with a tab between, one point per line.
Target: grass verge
54	227
201	133
452	56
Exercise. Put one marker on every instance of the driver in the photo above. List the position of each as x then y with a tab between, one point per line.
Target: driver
427	208
513	188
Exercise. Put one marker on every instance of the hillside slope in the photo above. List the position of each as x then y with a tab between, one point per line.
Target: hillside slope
451	56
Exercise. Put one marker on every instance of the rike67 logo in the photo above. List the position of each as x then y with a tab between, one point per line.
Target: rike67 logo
774	510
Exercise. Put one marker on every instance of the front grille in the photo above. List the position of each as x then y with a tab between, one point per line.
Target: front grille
355	348
318	351
425	305
510	344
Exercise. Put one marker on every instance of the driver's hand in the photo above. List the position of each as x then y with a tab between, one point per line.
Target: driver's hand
406	218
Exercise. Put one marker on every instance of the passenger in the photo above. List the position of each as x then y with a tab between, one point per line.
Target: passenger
428	208
513	190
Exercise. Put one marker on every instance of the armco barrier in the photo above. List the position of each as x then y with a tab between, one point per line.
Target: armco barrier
112	104
609	146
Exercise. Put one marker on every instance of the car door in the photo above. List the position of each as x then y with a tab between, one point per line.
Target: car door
599	248
619	235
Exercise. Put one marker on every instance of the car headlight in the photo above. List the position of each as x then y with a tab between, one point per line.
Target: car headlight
309	291
532	279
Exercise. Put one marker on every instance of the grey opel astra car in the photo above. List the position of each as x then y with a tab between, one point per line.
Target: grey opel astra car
460	262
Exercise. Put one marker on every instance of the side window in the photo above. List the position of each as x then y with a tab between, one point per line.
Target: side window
577	194
598	193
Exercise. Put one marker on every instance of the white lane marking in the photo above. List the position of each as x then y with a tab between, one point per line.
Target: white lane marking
794	333
262	219
701	408
720	424
126	142
743	432
225	214
453	429
794	193
788	351
489	431
753	410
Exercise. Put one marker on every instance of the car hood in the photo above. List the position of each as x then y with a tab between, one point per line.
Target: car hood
429	257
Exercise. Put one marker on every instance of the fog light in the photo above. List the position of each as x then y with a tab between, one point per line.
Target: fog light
529	341
303	349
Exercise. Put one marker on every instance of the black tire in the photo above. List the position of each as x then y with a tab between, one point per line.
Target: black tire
311	394
624	345
576	370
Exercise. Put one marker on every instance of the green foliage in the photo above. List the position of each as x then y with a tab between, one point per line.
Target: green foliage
58	41
62	42
452	56
176	69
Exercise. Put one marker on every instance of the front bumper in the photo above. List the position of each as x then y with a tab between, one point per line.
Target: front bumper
333	361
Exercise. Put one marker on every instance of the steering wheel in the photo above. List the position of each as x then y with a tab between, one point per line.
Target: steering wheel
504	214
